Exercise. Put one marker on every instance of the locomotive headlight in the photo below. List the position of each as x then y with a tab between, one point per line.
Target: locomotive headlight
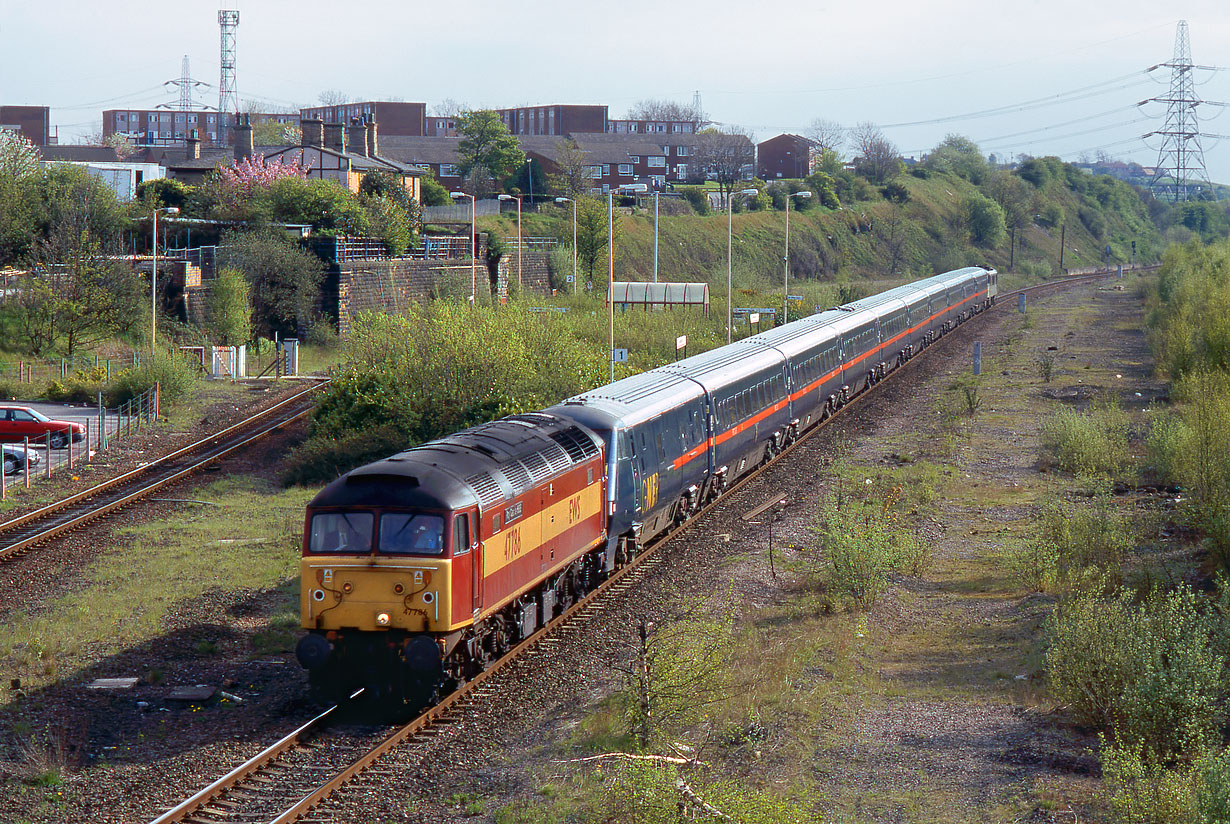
346	587
399	589
383	619
428	597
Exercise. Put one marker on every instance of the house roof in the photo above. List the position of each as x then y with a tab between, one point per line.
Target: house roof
86	154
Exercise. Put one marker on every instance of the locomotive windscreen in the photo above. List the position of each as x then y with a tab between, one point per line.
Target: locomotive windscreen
341	533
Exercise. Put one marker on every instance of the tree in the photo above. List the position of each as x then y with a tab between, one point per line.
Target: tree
161	192
19	196
334	97
572	179
959	156
486	152
268	132
1013	196
878	158
448	107
392	213
230	308
432	192
986	220
724	157
592	231
653	109
285	280
826	134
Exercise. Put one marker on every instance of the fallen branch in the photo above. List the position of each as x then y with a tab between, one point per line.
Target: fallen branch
625	755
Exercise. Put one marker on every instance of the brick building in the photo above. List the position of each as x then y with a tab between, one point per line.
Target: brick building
395	118
557	120
31	122
162	127
784	156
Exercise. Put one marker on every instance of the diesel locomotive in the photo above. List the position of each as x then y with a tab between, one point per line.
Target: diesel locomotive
421	569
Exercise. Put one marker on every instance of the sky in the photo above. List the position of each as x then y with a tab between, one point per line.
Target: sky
1063	78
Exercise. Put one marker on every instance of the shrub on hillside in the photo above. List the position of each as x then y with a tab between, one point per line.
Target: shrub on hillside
696	198
322	459
172	372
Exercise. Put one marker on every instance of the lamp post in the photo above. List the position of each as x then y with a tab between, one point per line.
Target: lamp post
574	239
786	277
153	280
473	240
730	234
610	276
529	176
519	241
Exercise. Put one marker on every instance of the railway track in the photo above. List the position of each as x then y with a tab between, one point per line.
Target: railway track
21	534
280	786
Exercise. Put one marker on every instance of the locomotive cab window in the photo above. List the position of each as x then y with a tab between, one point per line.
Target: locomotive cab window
341	532
405	533
461	535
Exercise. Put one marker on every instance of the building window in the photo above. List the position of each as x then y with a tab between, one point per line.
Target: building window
593	172
682	151
657	162
606	169
625	169
635	158
448	170
681	170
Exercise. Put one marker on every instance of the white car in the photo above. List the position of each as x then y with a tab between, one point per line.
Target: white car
15	456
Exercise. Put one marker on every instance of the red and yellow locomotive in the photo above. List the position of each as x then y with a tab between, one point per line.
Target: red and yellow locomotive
422	568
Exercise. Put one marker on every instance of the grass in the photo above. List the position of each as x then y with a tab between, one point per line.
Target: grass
124	597
966	635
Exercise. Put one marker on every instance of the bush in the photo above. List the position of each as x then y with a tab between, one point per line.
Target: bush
696	198
1146	791
173	372
862	544
1143	671
320	460
1091	444
1070	542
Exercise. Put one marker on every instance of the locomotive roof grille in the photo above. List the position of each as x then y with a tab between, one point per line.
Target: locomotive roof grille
537	465
557	458
578	446
517	477
486	488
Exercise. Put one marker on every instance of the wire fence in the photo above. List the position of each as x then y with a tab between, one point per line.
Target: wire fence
36	371
56	452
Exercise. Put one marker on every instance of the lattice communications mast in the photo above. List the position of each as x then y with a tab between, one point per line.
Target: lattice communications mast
1180	174
228	98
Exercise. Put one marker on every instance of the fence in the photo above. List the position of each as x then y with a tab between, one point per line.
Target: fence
34	371
460	212
530	244
102	429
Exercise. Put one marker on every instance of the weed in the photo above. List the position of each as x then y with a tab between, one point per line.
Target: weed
1089	444
1046	366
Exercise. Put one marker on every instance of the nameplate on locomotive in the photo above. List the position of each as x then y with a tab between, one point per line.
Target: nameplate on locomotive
512	513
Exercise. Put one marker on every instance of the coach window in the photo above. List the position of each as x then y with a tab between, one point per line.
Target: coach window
403	533
347	533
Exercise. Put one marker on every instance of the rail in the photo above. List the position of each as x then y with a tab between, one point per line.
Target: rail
21	533
618	583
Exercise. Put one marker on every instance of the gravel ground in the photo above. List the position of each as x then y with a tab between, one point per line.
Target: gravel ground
953	730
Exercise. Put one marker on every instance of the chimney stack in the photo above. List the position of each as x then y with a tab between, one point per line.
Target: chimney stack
358	136
244	147
373	148
313	132
193	144
335	137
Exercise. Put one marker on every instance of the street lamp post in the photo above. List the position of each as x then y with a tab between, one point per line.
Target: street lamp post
520	243
730	234
153	280
473	241
574	239
610	276
786	277
529	176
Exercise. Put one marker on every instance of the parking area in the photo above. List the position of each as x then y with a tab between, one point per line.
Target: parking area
85	415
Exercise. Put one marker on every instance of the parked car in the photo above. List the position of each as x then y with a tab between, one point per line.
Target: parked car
15	456
20	422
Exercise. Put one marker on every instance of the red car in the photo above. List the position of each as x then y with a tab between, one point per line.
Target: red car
20	422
